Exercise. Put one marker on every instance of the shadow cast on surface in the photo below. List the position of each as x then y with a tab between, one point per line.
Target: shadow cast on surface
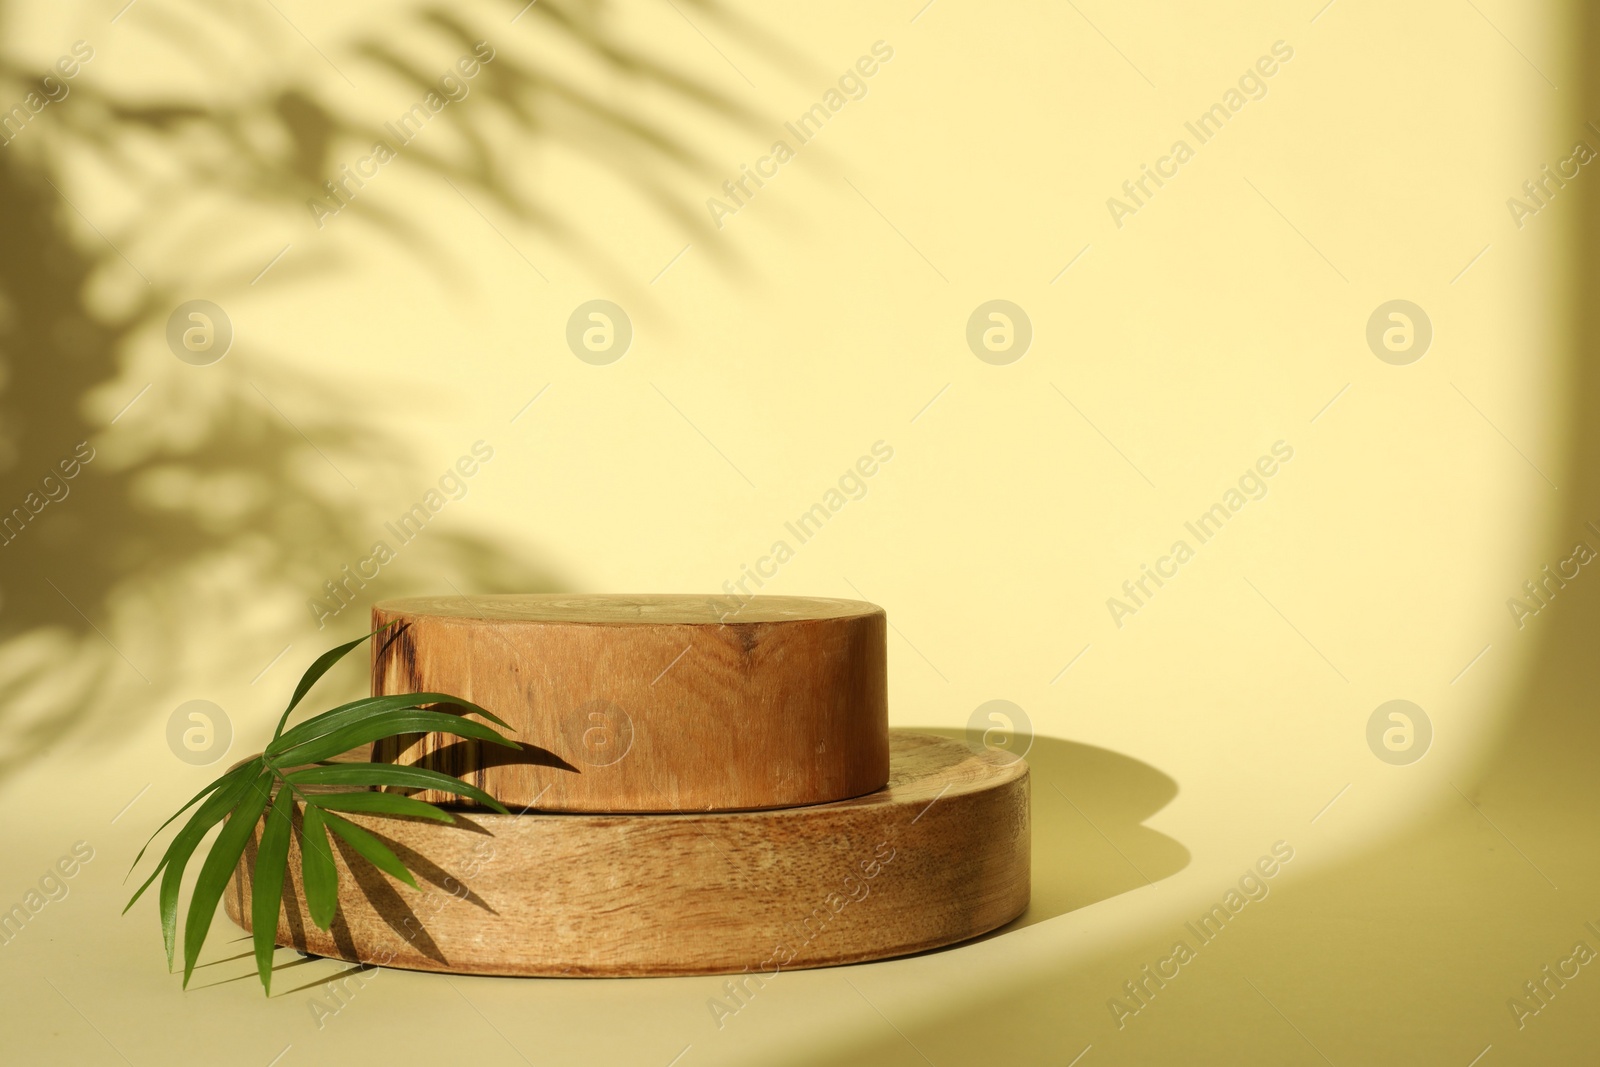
1089	806
1089	838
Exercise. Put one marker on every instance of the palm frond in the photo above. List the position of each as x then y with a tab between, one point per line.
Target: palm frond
280	784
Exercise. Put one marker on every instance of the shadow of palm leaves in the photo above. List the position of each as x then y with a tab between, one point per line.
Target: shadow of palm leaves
203	501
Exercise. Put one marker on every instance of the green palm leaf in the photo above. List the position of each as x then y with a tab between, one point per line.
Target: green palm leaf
218	868
243	794
381	804
317	870
183	846
266	888
389	725
347	714
230	780
371	849
317	669
226	779
393	774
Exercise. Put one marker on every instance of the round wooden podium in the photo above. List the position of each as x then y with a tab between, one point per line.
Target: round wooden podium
703	787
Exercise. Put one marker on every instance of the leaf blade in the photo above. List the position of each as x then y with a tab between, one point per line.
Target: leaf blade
266	885
219	867
371	849
357	710
378	727
317	872
320	667
393	774
380	804
234	774
180	850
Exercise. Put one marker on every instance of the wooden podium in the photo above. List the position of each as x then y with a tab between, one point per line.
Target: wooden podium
704	793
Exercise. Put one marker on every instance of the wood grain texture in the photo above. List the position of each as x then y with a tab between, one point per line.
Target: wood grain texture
649	703
939	856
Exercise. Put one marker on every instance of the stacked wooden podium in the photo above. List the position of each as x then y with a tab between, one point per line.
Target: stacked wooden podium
705	787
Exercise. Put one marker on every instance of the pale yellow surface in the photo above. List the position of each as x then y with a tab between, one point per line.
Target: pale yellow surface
827	314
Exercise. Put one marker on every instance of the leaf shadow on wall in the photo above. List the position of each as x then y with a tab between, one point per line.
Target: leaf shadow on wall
203	499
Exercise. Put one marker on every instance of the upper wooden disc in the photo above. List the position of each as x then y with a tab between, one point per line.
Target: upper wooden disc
649	703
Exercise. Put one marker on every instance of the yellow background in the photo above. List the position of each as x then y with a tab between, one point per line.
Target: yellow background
770	353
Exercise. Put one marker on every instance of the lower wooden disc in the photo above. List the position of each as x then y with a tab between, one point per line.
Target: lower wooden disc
940	855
